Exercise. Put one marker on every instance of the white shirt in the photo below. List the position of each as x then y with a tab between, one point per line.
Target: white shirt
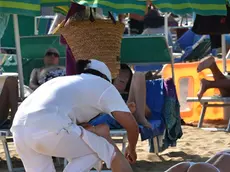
69	99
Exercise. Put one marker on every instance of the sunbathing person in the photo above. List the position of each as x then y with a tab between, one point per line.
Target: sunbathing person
50	70
220	81
217	163
8	102
133	90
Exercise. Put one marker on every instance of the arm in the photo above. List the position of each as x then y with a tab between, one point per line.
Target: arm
34	80
129	123
112	103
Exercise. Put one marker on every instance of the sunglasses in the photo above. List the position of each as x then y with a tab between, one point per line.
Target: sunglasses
52	54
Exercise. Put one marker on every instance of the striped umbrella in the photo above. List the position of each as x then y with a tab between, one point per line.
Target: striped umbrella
202	7
61	9
28	7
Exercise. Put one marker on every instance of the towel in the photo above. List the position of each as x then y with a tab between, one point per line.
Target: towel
171	112
155	102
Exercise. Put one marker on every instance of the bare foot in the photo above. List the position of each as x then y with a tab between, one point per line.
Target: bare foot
132	107
205	63
203	87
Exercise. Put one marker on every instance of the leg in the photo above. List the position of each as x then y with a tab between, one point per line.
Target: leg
222	163
32	160
77	144
202	167
223	85
9	98
209	63
213	159
12	85
137	94
181	167
119	163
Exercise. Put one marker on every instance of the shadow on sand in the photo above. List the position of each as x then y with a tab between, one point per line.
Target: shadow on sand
164	164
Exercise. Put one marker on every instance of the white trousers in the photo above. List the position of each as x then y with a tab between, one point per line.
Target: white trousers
36	148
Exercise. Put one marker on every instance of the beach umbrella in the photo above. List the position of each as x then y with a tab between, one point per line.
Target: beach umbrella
202	7
28	8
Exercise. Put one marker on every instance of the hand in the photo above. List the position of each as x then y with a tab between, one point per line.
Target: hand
131	155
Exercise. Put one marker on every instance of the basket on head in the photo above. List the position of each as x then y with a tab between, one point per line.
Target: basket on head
98	39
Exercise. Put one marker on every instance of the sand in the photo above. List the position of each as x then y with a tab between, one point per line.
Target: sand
195	145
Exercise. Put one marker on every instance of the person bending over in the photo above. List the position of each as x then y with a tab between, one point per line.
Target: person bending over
54	125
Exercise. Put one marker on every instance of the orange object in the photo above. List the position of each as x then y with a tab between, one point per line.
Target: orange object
187	82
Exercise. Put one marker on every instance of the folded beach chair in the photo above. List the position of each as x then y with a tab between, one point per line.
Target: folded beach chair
193	46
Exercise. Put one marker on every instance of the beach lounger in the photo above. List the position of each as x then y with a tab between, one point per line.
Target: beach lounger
210	102
5	138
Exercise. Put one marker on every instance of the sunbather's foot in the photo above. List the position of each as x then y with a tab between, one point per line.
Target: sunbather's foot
203	87
132	107
205	63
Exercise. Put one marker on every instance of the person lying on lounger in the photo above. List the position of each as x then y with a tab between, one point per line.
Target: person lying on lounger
218	163
133	90
220	81
8	101
50	70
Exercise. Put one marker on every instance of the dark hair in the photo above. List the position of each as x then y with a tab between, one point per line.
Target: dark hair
81	68
126	67
81	65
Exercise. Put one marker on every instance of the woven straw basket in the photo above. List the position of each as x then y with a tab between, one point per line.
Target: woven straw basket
100	39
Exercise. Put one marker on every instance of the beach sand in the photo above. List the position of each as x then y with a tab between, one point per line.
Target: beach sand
196	145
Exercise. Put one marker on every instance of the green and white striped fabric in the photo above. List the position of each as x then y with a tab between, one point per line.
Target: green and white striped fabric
61	9
202	7
28	7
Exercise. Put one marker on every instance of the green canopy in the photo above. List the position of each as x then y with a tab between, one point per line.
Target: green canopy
202	7
28	7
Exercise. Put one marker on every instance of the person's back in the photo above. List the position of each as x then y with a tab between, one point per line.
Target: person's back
53	99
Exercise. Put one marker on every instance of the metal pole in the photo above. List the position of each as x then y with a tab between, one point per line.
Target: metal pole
223	45
166	27
54	23
18	53
172	63
35	26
